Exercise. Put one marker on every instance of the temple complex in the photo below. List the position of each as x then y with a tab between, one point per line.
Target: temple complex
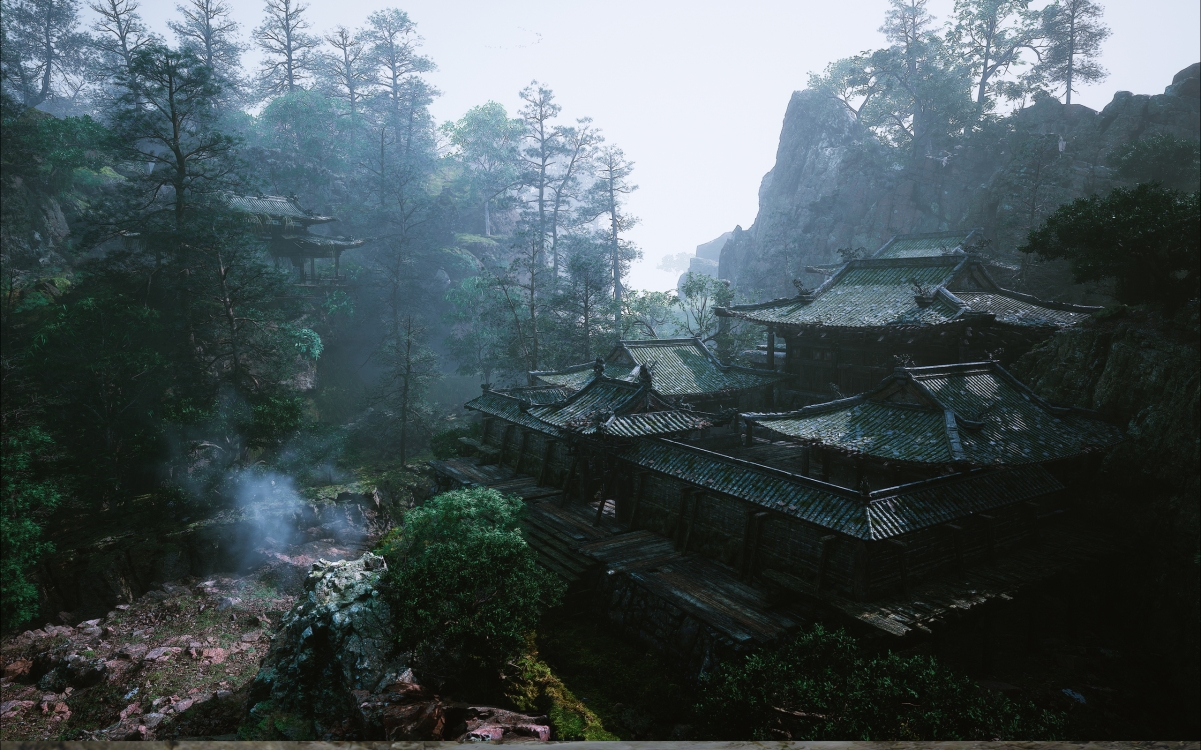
288	227
667	488
921	299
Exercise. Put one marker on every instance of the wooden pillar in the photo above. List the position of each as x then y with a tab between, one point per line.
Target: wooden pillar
544	470
525	434
990	524
806	453
640	481
504	443
605	491
750	433
677	533
824	455
696	509
313	269
956	532
902	551
571	470
825	550
750	541
1033	525
861	572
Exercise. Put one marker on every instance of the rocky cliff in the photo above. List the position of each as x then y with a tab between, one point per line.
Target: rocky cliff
834	186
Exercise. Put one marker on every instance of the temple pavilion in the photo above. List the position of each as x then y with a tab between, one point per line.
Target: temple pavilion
921	299
289	229
685	372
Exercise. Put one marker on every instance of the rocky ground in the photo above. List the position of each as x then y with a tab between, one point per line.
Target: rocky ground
175	662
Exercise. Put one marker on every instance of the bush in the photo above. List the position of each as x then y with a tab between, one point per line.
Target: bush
820	686
26	498
466	589
1175	162
446	444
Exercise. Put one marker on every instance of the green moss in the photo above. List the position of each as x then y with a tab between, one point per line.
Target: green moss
534	688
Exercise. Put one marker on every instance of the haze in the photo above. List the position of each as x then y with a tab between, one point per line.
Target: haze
694	93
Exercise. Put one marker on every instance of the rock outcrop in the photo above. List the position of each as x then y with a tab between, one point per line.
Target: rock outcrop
835	186
334	672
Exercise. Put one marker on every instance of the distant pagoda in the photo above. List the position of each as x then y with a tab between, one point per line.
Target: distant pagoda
289	228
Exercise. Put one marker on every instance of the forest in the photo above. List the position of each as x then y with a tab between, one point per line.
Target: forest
158	360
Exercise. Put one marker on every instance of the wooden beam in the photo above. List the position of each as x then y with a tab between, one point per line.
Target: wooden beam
752	543
525	434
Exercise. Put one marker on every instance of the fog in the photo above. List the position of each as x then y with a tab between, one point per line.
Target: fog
694	93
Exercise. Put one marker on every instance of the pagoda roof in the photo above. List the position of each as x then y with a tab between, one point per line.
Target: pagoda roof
312	245
930	244
903	292
974	414
274	209
680	367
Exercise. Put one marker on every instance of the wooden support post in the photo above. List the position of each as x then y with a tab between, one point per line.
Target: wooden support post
640	480
750	544
1033	525
902	550
313	269
544	469
696	509
571	470
990	531
825	551
521	441
806	454
750	434
957	543
861	572
771	348
504	443
677	533
824	455
605	491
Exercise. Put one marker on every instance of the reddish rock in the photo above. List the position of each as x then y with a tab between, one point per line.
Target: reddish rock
19	669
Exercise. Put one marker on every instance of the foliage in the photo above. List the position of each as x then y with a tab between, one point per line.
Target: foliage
533	686
1143	239
445	444
466	588
1163	158
822	685
26	497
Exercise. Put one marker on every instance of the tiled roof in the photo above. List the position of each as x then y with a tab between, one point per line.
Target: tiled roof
317	240
541	394
577	376
509	409
878	291
679	367
924	245
880	515
656	423
1022	310
975	413
867	293
276	207
593	404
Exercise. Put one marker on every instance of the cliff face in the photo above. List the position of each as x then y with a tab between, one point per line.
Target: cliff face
834	186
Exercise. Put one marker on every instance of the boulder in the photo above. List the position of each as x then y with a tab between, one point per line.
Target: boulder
334	671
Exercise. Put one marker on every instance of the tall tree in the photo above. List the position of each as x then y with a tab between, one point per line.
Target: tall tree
577	147
287	48
486	142
582	301
543	144
1073	32
991	35
608	197
398	68
42	47
346	69
120	33
207	29
170	126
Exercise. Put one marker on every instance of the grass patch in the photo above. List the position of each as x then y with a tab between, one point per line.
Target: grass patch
534	688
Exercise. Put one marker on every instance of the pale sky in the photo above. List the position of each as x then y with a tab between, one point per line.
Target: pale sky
693	92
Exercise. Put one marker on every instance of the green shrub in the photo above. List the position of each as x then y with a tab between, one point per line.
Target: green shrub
465	588
821	686
25	497
446	444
